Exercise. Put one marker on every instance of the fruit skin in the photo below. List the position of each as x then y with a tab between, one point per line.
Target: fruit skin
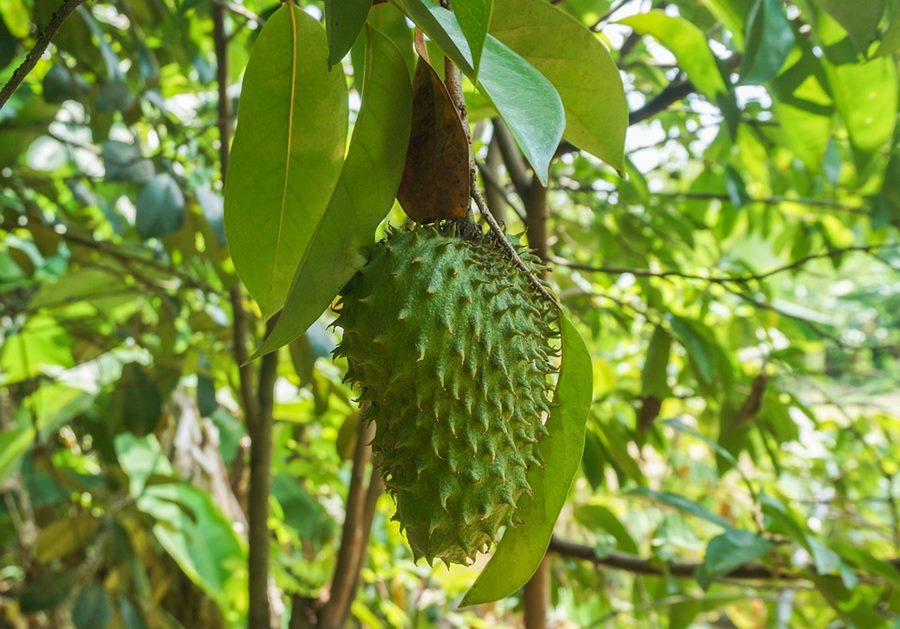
452	347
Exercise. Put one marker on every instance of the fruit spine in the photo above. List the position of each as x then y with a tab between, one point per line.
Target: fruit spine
452	348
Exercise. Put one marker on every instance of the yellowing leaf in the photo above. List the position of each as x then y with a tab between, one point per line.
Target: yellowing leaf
62	537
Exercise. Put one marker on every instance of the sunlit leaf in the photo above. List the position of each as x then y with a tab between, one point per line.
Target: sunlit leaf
859	18
866	98
689	45
580	68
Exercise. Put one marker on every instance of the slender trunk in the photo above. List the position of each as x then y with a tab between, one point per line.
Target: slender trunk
259	616
536	594
354	537
257	404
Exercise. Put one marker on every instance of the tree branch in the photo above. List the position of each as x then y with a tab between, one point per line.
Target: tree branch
638	565
672	93
737	279
354	536
40	46
515	165
260	615
257	408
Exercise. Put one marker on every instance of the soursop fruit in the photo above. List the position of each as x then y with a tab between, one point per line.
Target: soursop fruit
452	348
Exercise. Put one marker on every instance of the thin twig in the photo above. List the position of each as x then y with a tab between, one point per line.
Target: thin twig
738	279
354	536
241	10
40	46
507	246
454	87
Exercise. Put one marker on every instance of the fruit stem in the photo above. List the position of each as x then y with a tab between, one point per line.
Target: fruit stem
454	88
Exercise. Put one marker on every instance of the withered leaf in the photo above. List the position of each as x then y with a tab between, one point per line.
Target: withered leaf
435	182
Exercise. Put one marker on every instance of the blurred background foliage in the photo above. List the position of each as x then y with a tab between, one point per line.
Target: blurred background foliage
737	285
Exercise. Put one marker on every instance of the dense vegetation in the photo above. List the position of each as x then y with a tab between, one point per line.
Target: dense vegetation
728	251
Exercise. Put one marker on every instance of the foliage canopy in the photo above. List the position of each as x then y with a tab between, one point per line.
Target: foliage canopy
714	185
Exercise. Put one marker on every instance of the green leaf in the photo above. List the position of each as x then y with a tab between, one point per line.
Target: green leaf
46	591
474	17
41	343
689	45
160	207
866	98
804	107
522	548
653	376
826	560
725	454
580	68
287	153
301	511
614	438
124	162
598	517
732	14
682	504
14	442
344	20
890	40
769	40
699	345
860	19
362	197
729	550
92	608
189	525
136	400
524	98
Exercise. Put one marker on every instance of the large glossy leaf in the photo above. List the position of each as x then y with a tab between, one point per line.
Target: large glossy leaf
866	98
522	548
287	153
474	18
769	40
689	45
344	19
524	98
362	197
578	65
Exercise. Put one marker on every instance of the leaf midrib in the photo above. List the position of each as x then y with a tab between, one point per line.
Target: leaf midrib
287	156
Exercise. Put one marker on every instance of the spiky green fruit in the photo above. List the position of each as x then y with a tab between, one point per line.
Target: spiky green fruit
452	347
